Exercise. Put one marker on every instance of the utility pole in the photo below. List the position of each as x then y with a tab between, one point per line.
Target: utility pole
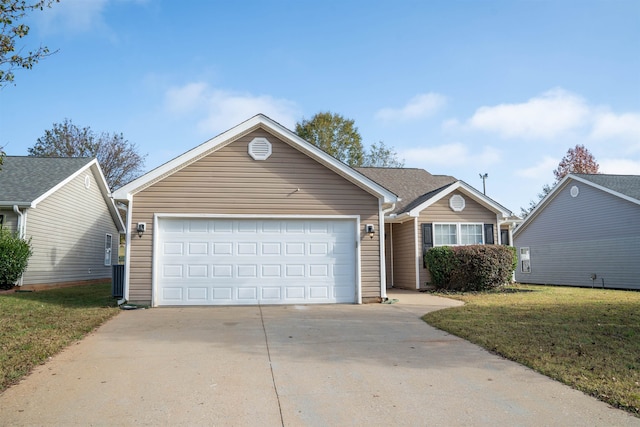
484	177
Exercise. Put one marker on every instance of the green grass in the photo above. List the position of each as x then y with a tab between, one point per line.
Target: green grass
37	325
586	338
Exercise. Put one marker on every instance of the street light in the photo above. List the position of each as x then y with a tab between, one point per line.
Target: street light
484	177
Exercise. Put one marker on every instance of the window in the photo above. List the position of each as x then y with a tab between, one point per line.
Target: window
458	234
107	249
525	261
470	234
445	234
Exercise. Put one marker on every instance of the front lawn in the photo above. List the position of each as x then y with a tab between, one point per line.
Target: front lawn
586	338
37	325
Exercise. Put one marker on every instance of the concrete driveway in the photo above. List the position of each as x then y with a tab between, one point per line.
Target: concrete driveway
330	365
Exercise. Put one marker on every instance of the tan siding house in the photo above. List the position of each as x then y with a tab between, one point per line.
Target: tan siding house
434	210
254	216
64	207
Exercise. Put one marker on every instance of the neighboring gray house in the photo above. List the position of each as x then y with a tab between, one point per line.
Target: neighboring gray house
64	206
585	232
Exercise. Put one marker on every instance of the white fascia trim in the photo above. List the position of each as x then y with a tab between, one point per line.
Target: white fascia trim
545	201
559	186
605	189
63	183
243	128
472	192
102	183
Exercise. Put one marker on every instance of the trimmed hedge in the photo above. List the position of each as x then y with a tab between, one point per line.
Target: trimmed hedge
14	254
470	268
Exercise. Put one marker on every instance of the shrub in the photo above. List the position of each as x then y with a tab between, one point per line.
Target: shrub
14	254
470	268
441	262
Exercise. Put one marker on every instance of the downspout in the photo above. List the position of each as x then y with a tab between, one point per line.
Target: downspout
383	260
21	231
127	251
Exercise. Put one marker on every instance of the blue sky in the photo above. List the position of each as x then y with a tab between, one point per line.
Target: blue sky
457	87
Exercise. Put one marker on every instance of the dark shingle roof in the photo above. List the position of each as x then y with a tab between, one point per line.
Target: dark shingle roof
24	179
629	185
413	186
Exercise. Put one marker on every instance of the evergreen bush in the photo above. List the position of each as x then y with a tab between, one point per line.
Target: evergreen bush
14	254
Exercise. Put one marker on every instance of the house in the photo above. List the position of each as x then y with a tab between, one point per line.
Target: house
63	206
585	232
255	215
434	210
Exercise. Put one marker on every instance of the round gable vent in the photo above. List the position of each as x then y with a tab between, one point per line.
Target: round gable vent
575	191
260	149
456	203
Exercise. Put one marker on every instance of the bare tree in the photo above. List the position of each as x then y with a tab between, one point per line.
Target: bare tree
118	158
577	160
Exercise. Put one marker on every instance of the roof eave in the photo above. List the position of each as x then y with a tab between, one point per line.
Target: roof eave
128	190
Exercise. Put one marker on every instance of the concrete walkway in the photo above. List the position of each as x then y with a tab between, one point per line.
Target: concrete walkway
347	365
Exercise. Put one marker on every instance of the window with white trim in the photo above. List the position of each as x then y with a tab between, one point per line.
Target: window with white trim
525	260
108	241
458	234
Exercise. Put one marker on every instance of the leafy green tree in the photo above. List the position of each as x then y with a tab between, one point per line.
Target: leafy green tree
339	137
118	158
381	156
12	29
335	135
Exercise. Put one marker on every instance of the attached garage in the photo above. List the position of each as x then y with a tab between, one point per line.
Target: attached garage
255	215
229	261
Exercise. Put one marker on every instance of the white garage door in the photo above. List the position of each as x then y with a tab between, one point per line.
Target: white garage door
255	261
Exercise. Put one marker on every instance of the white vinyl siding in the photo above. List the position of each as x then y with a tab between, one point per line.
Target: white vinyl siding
67	231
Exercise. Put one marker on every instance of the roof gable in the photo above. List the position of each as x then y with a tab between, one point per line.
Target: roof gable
25	180
418	189
626	187
225	138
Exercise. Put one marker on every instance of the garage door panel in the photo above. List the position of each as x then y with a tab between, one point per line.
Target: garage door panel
204	261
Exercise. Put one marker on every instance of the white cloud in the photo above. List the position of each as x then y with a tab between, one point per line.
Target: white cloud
608	126
547	116
542	169
74	16
620	166
77	16
420	106
216	110
450	155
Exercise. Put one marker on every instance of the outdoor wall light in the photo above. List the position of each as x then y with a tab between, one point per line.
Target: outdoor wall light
141	228
370	230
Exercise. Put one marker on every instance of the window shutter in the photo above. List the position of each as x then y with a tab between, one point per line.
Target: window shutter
427	241
488	234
